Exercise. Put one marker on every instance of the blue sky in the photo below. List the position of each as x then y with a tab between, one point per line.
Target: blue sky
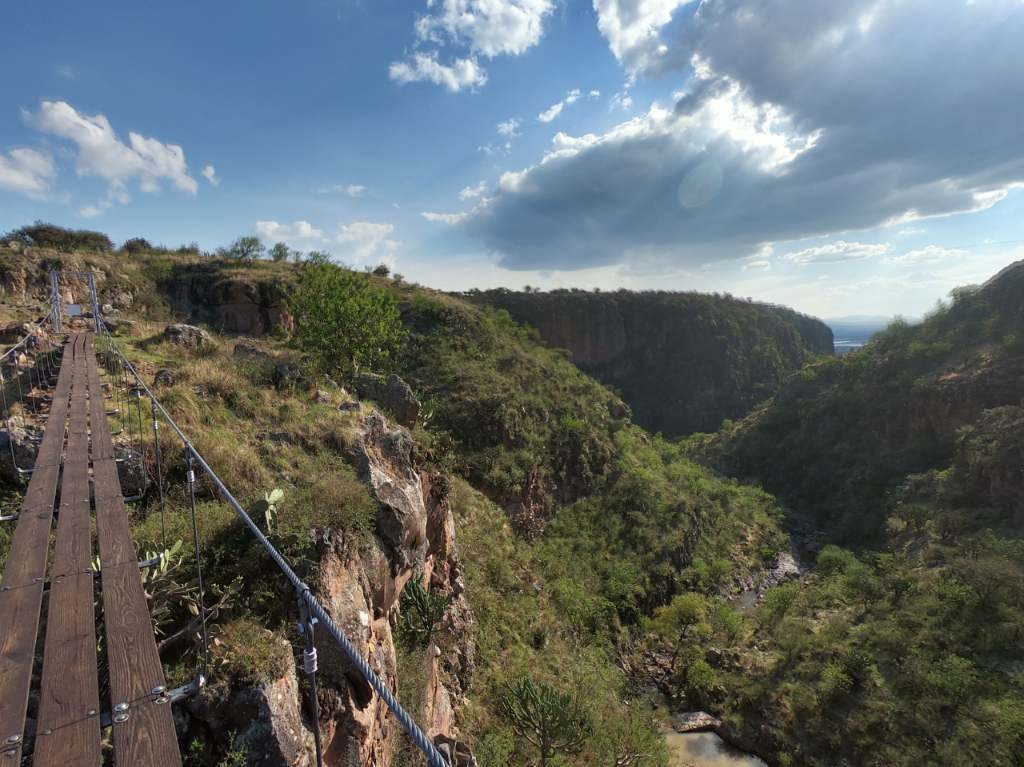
854	157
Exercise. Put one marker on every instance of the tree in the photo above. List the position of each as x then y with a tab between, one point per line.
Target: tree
381	270
342	319
137	245
548	719
246	249
682	620
318	257
280	252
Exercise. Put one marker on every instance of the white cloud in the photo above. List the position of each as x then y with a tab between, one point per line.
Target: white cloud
621	100
858	131
472	192
837	252
102	154
509	127
27	171
632	28
363	241
554	110
298	232
94	210
551	112
489	27
210	174
462	73
485	28
445	218
352	190
758	265
930	254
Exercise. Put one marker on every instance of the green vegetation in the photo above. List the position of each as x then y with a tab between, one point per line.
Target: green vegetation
550	720
343	320
589	547
43	235
422	610
683	361
908	650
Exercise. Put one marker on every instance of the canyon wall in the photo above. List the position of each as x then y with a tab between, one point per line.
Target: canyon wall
683	361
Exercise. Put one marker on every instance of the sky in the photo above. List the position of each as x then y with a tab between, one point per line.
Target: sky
854	157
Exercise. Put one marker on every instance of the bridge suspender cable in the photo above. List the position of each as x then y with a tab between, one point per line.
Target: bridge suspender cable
311	611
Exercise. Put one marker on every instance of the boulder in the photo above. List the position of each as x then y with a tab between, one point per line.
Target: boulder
694	721
391	393
120	327
349	406
248	351
187	335
457	752
288	376
269	722
323	397
122	299
13	332
164	377
24	440
132	473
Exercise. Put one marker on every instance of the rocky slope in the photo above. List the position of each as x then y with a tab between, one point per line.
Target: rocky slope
683	361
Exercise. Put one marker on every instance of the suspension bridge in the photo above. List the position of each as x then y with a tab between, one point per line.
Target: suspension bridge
51	589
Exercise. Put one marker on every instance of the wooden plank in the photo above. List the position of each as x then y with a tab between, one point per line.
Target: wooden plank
68	730
147	737
21	591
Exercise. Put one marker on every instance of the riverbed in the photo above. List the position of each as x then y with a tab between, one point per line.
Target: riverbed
706	749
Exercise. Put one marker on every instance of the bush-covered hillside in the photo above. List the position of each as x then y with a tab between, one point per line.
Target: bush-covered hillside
910	650
683	361
573	523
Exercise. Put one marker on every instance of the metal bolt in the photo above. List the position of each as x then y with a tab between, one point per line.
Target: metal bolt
119	718
159	690
12	739
91	712
121	708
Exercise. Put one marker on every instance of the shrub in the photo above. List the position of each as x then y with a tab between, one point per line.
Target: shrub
422	610
550	720
280	252
43	235
137	245
344	320
246	249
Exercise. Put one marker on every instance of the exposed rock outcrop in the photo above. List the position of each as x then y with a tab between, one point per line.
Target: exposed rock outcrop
187	335
229	304
361	589
269	721
391	393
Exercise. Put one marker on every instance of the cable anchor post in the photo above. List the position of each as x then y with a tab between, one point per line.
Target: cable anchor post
307	625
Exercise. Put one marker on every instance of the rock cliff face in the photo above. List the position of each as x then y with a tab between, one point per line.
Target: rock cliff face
361	589
227	303
683	361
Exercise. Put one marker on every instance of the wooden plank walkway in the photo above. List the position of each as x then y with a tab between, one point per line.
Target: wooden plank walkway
68	730
68	727
147	736
21	591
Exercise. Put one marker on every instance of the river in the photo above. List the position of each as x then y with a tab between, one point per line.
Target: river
706	749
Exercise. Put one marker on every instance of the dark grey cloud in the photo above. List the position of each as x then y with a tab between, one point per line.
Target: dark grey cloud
805	118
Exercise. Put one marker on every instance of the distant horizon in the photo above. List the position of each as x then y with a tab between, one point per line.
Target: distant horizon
590	143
